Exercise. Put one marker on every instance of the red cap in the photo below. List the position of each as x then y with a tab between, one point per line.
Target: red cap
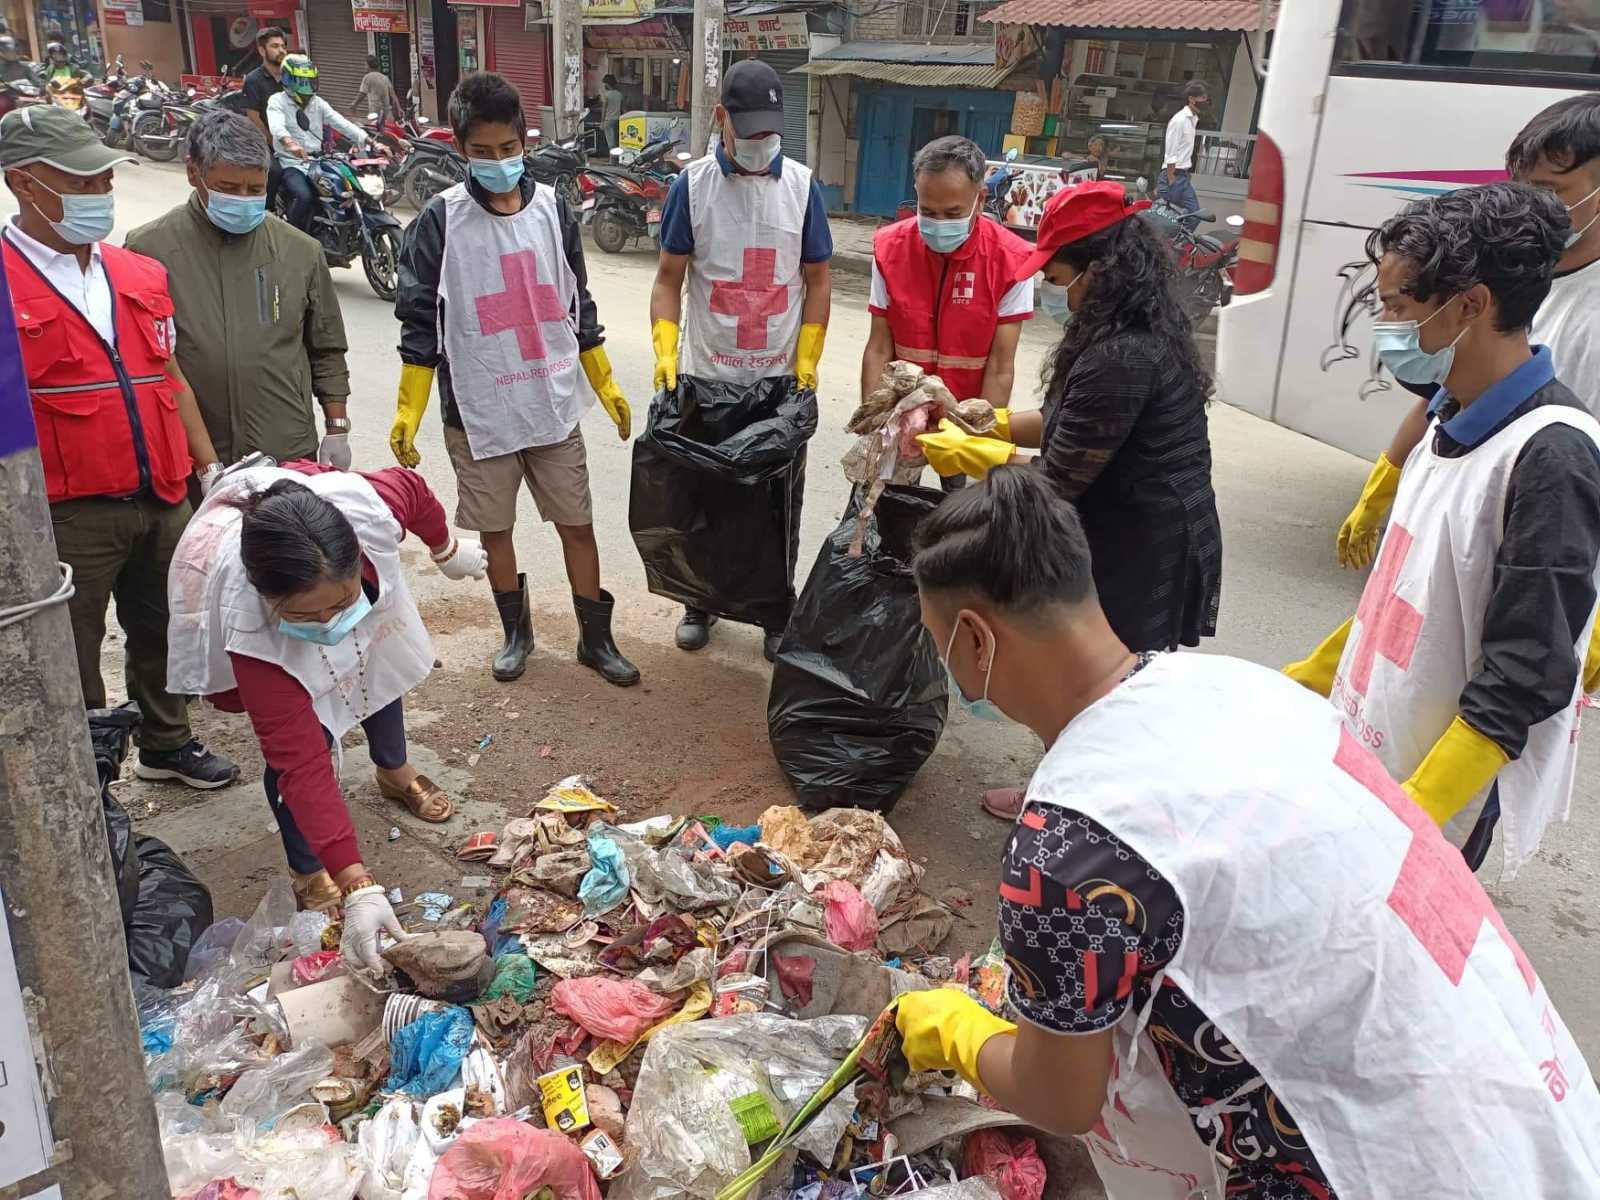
1074	213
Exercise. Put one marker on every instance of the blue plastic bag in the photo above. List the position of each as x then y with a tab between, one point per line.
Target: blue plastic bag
607	881
726	835
425	1056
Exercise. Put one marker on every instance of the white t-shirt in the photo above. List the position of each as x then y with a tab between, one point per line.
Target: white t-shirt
1017	302
1569	323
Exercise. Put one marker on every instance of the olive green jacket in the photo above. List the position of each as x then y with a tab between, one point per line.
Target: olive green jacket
259	329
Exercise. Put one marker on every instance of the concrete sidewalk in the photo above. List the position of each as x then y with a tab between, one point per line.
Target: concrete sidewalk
852	242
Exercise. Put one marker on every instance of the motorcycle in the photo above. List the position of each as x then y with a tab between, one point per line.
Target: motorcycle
558	164
18	93
621	206
430	166
99	98
349	218
1204	261
161	121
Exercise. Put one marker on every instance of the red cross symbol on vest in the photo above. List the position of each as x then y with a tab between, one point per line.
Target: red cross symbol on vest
754	299
524	306
1435	893
1389	625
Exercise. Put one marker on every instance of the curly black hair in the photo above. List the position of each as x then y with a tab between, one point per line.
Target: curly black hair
487	97
1506	236
1130	290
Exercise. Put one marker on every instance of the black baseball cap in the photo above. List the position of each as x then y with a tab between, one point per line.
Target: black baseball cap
753	96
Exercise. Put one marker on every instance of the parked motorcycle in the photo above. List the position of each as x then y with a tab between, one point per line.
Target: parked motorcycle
161	121
1204	261
558	164
350	220
431	165
621	207
18	93
99	97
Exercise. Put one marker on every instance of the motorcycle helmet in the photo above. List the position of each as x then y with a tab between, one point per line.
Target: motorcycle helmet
55	50
300	77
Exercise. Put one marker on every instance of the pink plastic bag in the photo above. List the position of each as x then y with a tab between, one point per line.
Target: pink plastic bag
849	920
502	1159
1011	1161
314	968
617	1010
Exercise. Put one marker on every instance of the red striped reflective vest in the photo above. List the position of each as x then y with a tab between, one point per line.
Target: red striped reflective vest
107	416
943	308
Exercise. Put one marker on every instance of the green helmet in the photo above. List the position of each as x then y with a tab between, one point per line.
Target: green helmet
300	75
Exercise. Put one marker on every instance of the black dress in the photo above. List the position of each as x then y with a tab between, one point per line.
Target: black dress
1126	442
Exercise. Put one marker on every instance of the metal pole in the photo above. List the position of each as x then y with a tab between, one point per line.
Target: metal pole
706	63
567	66
75	1109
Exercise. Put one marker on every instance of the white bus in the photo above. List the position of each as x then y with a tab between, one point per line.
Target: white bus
1370	104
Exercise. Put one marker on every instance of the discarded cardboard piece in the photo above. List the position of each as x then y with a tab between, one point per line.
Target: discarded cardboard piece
332	1012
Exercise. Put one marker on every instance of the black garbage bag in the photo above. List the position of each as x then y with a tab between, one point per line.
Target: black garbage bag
173	909
718	479
858	696
110	730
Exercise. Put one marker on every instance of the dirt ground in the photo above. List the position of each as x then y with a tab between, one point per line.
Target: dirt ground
690	739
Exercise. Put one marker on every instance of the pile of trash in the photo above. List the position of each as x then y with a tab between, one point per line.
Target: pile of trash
664	1008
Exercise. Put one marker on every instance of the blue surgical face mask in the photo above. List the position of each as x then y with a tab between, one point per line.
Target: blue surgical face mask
1576	235
499	175
946	236
328	633
983	708
235	214
1053	299
1399	346
85	220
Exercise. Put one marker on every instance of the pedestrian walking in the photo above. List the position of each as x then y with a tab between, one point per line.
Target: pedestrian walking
945	293
1244	963
1462	666
611	111
1175	185
317	552
119	430
377	94
494	297
746	229
260	335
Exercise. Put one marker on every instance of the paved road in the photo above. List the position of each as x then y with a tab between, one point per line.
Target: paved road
1281	496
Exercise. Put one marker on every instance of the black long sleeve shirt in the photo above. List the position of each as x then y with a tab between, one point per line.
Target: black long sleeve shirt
420	309
1543	587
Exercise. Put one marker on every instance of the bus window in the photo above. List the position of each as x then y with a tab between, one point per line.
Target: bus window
1521	41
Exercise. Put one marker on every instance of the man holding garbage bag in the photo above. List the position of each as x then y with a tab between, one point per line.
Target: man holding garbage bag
1244	965
747	230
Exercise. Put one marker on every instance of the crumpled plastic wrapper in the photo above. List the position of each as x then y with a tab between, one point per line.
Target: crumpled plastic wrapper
785	829
683	1133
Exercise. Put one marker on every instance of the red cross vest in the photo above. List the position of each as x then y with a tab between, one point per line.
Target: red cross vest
745	289
1333	939
1418	632
509	324
944	308
107	415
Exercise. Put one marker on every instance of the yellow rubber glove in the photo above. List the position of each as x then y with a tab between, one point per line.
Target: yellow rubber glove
1002	425
664	337
416	385
953	451
1460	765
598	368
944	1029
1591	661
1358	536
808	353
1317	671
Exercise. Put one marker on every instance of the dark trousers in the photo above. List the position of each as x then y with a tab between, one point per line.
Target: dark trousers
274	181
121	549
386	745
302	197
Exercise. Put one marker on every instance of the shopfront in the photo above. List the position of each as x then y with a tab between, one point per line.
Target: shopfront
223	41
782	41
518	47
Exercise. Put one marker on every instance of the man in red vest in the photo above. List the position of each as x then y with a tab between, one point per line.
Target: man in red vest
119	430
944	294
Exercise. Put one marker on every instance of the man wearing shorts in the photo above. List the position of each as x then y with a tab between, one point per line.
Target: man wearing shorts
494	297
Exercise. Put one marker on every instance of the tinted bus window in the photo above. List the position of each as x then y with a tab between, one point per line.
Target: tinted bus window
1520	41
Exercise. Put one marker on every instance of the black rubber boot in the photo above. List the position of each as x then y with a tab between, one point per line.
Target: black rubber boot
518	624
694	631
596	649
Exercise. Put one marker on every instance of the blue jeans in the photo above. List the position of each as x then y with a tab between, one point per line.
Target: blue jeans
386	745
302	197
1179	193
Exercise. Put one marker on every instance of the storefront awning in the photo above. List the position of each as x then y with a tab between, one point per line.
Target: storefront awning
1100	16
915	63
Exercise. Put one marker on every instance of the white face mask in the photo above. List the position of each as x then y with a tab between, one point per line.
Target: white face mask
1577	234
756	154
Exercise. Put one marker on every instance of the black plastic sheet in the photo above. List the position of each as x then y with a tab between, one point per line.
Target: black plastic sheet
110	730
173	909
859	697
718	480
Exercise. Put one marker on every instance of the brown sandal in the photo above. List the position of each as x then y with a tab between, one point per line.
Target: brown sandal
1005	803
316	892
420	797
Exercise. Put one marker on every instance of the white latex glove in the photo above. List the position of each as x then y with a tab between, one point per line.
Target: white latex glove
366	915
334	451
463	558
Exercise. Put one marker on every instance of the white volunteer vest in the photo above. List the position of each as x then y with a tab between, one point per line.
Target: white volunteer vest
214	610
745	289
510	321
1333	938
1418	632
